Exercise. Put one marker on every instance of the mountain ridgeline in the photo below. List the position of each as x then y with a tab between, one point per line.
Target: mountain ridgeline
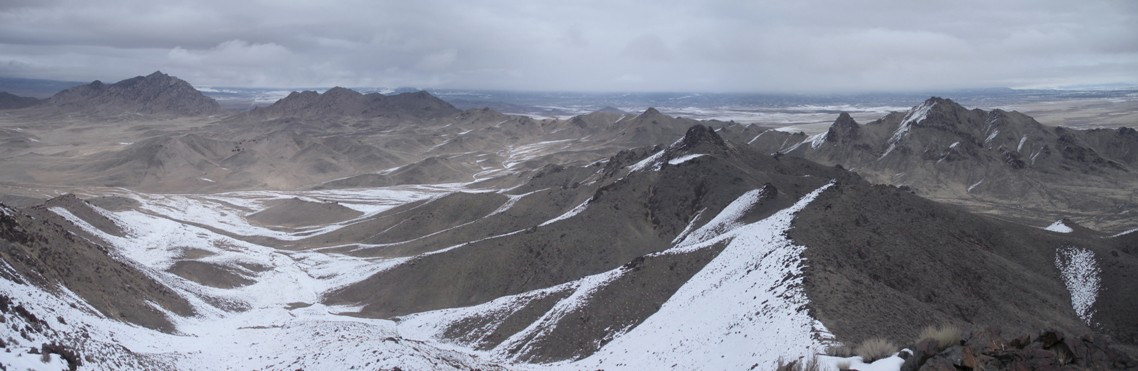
339	101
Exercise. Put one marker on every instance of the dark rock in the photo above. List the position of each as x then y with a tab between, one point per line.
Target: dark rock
938	364
843	130
700	134
1020	342
1049	337
967	359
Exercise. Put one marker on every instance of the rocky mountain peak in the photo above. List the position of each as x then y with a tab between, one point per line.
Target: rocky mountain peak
338	91
610	109
701	136
844	129
649	113
157	93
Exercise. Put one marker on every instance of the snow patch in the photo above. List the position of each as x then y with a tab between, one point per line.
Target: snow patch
750	305
757	137
1125	233
1058	226
991	137
1080	273
684	158
649	161
914	117
815	141
569	214
891	363
726	220
1022	140
974	185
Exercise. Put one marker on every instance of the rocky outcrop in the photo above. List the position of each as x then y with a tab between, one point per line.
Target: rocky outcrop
1049	350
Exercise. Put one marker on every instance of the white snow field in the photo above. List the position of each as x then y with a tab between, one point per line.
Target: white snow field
1059	227
745	308
1080	273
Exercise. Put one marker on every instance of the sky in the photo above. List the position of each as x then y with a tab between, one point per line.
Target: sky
800	46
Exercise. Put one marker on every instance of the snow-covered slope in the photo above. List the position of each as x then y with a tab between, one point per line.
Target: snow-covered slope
745	307
275	320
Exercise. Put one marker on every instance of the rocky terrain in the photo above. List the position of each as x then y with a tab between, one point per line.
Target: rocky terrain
348	230
995	162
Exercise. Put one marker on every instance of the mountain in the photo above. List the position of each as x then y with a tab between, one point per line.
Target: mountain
1003	162
653	231
698	251
157	93
12	101
339	101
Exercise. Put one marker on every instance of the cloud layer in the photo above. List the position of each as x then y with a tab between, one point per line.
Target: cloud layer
773	46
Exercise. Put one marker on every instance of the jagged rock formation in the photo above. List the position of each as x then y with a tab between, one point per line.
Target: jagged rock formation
993	350
157	93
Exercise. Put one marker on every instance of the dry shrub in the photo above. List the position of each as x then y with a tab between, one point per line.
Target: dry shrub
946	335
839	351
810	364
875	349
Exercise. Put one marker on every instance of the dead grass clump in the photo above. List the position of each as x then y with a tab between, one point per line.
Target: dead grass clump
874	349
946	335
839	351
810	364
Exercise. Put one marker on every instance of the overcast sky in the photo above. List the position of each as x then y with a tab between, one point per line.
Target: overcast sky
609	45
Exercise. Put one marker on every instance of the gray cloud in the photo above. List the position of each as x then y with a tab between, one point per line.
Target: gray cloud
801	46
